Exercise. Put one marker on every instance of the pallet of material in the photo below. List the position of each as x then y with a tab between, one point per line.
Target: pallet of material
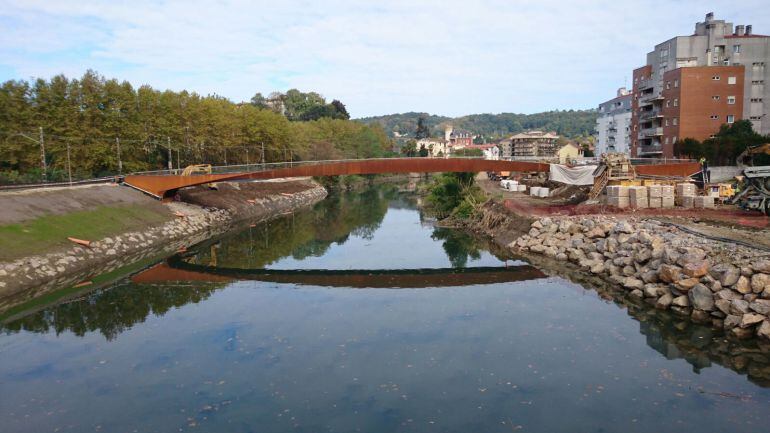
655	191
617	191
687	201
619	202
685	189
667	202
704	202
655	202
534	190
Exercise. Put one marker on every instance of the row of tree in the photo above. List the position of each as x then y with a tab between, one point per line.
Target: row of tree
94	126
725	147
569	123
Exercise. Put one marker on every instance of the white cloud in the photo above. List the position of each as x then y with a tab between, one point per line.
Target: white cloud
447	57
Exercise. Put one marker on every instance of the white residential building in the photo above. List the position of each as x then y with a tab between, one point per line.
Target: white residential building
613	126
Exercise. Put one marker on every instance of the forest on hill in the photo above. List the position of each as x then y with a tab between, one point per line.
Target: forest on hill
568	123
97	126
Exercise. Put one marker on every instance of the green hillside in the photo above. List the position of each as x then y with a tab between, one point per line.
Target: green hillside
569	123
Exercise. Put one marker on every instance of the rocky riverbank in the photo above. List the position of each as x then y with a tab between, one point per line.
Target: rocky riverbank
709	281
212	213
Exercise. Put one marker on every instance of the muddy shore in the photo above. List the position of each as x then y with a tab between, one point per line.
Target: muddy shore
202	213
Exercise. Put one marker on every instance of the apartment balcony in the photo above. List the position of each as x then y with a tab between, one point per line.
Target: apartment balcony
651	132
651	115
645	84
650	99
651	149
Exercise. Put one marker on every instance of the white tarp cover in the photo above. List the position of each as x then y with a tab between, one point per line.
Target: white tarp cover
582	175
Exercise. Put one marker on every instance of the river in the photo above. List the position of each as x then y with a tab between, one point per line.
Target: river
361	315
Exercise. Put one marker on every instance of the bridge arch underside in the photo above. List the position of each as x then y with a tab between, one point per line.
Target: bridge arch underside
165	185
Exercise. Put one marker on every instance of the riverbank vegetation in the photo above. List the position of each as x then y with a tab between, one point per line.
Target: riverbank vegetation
454	195
97	126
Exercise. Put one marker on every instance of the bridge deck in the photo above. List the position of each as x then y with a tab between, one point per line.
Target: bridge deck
163	185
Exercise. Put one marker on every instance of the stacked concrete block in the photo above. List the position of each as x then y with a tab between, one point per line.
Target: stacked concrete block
655	202
687	201
684	190
522	188
704	202
637	197
655	191
667	191
617	196
543	192
667	202
534	190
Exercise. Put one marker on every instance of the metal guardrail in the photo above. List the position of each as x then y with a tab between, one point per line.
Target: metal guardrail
107	179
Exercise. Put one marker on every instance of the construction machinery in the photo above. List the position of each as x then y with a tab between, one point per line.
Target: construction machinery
199	169
754	184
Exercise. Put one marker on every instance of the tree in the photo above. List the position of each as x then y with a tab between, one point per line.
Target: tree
259	101
423	151
422	129
409	148
342	112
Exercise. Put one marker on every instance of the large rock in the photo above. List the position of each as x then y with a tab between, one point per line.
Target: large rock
623	227
669	273
728	294
696	268
731	321
763	330
742	285
650	276
537	225
681	301
595	233
687	284
632	283
761	306
739	307
664	301
723	305
701	297
760	282
730	276
751	319
762	266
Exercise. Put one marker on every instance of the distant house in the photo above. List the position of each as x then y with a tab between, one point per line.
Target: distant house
490	151
436	146
534	144
457	138
569	152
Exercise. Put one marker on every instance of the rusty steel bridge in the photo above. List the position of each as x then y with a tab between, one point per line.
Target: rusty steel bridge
165	184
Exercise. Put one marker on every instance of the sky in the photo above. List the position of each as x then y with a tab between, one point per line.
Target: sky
378	57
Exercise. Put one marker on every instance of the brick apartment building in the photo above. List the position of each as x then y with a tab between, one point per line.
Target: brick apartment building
691	85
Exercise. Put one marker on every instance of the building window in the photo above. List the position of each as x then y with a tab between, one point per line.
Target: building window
736	49
666	140
731	100
714	117
676	102
731	80
665	123
756	99
673	140
715	97
668	103
676	83
715	78
675	120
758	82
730	118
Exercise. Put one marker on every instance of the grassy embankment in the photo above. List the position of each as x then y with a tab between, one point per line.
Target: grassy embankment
44	233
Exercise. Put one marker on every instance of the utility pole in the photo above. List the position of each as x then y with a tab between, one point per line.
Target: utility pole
247	157
170	156
43	164
263	155
120	162
69	167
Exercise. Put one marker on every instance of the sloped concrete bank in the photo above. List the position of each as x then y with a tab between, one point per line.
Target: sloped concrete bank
721	284
31	277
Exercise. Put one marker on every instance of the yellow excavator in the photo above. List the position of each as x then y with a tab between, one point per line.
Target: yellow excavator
754	186
199	169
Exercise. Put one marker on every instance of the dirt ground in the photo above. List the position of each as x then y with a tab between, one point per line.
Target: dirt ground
725	221
26	205
230	195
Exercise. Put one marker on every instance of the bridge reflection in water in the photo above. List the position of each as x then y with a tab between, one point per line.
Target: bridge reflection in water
176	269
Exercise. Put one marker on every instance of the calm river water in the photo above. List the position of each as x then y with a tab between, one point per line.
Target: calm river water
371	320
